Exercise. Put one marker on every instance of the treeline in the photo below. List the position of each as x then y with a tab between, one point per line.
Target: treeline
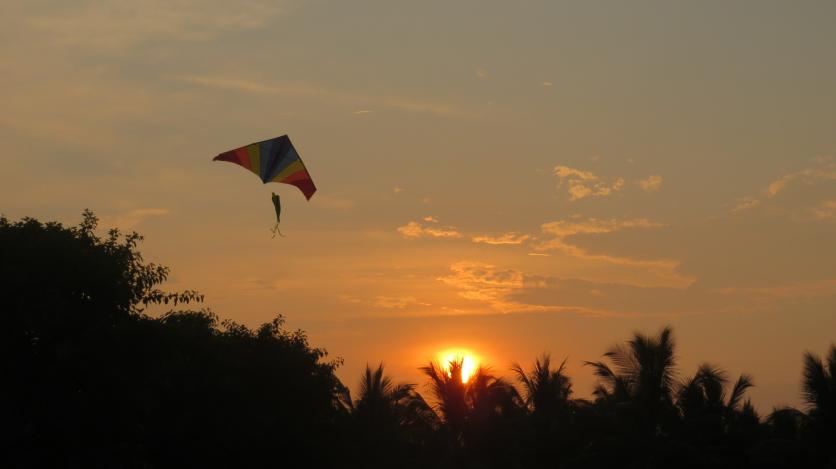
91	380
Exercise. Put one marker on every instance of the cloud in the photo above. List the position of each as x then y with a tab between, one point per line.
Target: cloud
131	219
431	219
480	74
651	184
363	111
546	83
826	172
414	230
502	289
396	302
565	228
113	25
487	283
582	184
507	238
824	287
397	190
304	90
333	203
826	210
823	170
561	230
745	203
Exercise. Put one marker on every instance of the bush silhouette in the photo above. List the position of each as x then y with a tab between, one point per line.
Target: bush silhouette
92	379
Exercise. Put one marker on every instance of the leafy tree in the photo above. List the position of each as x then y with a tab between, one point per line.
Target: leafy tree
91	380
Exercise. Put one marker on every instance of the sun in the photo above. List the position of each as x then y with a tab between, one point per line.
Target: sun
470	362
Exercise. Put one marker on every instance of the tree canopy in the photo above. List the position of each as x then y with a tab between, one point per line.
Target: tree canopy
93	379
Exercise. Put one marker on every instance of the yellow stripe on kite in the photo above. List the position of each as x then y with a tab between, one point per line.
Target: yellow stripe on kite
255	158
291	168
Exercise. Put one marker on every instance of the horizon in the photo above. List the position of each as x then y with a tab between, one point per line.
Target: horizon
511	181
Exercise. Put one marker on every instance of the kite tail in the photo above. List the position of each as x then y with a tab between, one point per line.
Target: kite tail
275	230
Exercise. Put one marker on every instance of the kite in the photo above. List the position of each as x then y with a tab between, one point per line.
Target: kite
273	160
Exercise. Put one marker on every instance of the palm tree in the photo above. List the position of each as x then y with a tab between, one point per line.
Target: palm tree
382	403
479	416
641	375
450	392
547	394
547	391
388	424
819	386
714	418
706	391
819	390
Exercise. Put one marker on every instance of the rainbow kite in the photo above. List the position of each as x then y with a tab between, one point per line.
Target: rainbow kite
273	160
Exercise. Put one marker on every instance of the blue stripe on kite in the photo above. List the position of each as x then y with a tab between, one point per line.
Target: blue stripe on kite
289	157
268	157
283	145
279	144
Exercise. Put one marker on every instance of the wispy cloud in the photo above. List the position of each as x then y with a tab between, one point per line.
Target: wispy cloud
413	230
333	203
823	170
507	238
499	288
575	226
384	302
304	90
114	25
745	203
581	184
651	184
131	219
823	287
826	210
485	282
562	230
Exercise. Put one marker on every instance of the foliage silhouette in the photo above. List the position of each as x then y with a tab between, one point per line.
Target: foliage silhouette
387	422
93	379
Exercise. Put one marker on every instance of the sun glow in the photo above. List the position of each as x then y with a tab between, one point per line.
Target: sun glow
470	362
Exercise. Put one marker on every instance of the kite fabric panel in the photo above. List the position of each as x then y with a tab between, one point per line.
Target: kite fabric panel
273	160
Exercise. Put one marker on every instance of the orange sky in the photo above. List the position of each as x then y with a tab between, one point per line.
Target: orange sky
512	180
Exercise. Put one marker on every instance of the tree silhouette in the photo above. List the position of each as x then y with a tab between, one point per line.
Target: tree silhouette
390	424
635	396
92	379
479	416
715	419
643	376
819	391
547	394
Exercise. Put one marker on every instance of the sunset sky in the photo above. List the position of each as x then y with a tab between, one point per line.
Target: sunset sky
509	178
